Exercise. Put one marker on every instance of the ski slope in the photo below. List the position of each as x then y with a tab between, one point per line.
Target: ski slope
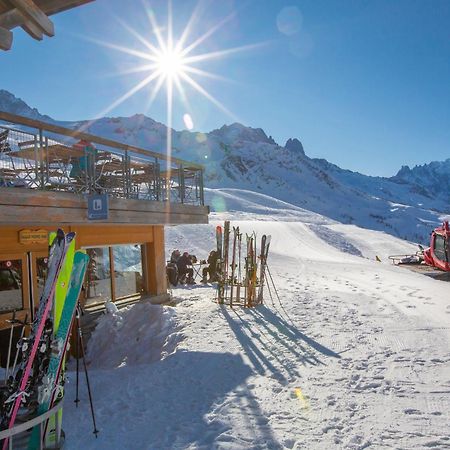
356	355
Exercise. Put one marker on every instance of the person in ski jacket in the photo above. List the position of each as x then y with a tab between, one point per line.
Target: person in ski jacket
184	265
175	256
212	267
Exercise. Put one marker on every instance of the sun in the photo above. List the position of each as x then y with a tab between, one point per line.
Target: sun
171	64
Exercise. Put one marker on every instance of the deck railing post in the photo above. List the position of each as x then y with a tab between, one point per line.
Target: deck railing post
41	160
202	193
156	185
37	166
181	182
127	175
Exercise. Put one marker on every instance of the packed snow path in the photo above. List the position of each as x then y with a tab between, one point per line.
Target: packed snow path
357	356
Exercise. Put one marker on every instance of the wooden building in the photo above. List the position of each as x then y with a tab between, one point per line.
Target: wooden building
31	16
48	176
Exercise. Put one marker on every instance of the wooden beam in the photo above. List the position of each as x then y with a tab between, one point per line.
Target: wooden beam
35	15
34	31
6	38
11	17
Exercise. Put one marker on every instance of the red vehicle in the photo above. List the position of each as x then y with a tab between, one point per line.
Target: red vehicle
438	255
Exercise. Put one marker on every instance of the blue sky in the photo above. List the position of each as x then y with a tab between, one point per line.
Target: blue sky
364	84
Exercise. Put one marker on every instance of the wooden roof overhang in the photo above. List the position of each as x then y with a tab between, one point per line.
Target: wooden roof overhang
32	16
27	207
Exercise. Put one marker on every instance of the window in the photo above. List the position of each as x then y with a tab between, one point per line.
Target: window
440	247
10	285
128	270
125	261
98	276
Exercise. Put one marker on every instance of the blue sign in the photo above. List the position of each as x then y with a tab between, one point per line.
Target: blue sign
98	207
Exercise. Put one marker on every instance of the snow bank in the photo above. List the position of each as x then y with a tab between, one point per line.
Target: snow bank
139	334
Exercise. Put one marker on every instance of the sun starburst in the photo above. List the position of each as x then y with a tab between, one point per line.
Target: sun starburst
170	63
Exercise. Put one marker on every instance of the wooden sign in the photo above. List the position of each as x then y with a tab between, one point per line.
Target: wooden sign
33	237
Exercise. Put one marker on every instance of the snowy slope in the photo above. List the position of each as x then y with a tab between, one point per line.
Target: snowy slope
408	205
356	354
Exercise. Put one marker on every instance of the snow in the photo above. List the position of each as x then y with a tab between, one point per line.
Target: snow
356	355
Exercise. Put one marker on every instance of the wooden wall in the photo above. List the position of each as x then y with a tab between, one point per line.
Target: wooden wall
151	236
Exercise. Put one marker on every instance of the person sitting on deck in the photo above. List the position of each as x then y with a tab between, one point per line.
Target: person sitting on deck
212	267
183	262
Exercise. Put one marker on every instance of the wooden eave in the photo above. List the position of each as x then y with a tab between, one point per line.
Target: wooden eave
32	16
27	207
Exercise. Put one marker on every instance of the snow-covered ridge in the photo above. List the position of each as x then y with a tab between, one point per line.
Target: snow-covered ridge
239	157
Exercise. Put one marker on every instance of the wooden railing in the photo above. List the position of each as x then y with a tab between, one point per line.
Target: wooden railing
37	155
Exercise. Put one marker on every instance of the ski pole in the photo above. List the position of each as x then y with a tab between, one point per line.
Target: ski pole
276	291
12	322
24	324
77	399
80	333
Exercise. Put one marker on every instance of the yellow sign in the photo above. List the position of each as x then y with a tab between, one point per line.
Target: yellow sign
33	237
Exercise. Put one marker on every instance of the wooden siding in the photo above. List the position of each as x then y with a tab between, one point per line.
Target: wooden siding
41	208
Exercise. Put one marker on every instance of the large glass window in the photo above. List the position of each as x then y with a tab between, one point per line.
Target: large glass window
128	270
439	248
98	276
11	285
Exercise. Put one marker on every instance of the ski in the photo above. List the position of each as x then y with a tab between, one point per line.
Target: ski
265	243
40	327
219	264
49	389
233	263
226	245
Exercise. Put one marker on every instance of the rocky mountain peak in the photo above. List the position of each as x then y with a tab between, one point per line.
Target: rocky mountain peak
15	105
294	145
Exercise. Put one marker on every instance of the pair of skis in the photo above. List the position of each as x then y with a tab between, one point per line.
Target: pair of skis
36	348
223	239
50	388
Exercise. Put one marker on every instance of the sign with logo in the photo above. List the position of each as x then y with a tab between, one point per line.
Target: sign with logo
33	237
98	207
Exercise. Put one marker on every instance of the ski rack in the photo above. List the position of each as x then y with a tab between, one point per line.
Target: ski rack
241	274
18	435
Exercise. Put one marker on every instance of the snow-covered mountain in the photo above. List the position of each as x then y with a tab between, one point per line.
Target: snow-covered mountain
407	205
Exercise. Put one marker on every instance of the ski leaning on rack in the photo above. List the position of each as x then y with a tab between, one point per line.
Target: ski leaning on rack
219	269
226	245
51	382
265	243
41	322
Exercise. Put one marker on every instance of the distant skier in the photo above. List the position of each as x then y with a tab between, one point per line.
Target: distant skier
184	265
211	270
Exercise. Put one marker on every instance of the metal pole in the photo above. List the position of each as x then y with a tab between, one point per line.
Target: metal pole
202	194
41	159
80	334
181	182
13	322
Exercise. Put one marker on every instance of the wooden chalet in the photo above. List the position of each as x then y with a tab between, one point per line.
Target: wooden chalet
31	16
48	176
